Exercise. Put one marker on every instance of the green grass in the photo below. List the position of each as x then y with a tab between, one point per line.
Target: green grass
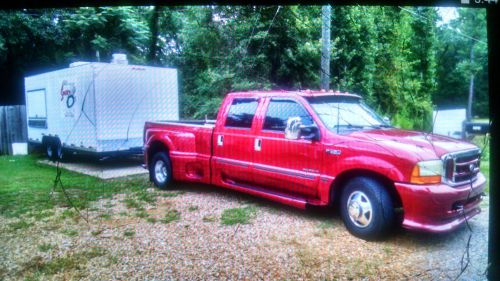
142	214
106	216
171	193
22	224
193	208
75	261
45	247
131	203
151	220
326	224
129	233
70	232
238	215
25	188
171	215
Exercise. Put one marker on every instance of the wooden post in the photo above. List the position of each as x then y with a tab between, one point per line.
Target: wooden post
12	127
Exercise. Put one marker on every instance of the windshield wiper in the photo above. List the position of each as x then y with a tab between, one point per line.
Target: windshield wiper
350	126
379	126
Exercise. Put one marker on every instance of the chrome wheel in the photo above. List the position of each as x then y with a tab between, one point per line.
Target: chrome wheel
160	171
359	209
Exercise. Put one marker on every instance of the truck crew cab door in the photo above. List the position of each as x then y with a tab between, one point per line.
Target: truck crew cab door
283	165
233	141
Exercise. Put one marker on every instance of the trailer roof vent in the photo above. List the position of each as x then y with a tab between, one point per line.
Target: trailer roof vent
119	59
78	63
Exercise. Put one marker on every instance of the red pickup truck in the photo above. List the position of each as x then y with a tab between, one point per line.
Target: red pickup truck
324	149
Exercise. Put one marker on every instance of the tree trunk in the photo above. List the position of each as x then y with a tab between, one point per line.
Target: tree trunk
153	47
325	50
471	87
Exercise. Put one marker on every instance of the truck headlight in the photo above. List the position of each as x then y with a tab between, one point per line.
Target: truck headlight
427	172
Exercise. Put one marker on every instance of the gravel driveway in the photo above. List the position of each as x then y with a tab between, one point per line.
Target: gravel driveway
443	253
278	243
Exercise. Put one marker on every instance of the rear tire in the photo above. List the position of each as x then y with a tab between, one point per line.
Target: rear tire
367	209
160	170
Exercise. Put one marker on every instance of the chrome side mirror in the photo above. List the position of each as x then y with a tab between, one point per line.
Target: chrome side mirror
292	129
295	130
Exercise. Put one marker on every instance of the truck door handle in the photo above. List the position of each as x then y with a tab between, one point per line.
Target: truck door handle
220	140
257	144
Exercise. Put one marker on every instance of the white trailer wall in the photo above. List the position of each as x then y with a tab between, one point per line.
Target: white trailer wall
61	118
109	105
127	97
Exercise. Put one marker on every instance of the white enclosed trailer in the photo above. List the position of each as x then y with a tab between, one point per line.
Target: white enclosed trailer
99	108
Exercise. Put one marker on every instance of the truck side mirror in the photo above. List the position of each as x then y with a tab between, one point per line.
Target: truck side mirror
296	130
387	120
292	129
310	132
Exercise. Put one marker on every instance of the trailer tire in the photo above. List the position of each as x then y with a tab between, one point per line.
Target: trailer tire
49	150
160	170
367	209
53	148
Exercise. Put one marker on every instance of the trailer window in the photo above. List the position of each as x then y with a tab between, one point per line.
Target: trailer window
241	113
36	108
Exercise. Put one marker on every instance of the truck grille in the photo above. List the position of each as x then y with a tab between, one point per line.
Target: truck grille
461	167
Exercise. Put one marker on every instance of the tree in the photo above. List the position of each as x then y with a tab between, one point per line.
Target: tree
460	40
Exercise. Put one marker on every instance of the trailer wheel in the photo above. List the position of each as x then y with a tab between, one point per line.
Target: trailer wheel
160	170
367	209
49	151
53	150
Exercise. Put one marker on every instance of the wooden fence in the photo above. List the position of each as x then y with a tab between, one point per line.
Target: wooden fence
12	127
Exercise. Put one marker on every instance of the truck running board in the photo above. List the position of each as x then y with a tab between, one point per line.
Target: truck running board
271	195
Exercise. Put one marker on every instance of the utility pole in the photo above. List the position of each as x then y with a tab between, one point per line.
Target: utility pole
326	12
471	86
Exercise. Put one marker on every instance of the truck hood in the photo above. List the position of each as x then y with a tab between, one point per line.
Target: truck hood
424	146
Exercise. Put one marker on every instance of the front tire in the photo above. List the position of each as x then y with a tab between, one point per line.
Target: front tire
367	209
160	170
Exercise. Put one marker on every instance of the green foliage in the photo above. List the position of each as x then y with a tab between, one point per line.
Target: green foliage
399	59
454	64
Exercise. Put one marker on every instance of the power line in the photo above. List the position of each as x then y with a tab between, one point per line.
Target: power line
447	26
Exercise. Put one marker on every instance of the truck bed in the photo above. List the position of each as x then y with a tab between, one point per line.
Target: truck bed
205	123
190	143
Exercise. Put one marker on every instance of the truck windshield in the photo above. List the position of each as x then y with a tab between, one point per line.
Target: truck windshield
344	113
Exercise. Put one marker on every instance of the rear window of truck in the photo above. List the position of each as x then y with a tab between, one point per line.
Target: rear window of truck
241	113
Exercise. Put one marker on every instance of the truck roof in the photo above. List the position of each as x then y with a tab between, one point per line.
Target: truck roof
283	93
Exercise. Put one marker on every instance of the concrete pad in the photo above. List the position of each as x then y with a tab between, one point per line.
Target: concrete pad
108	169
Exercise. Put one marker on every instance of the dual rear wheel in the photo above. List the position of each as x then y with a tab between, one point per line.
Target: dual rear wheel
160	170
